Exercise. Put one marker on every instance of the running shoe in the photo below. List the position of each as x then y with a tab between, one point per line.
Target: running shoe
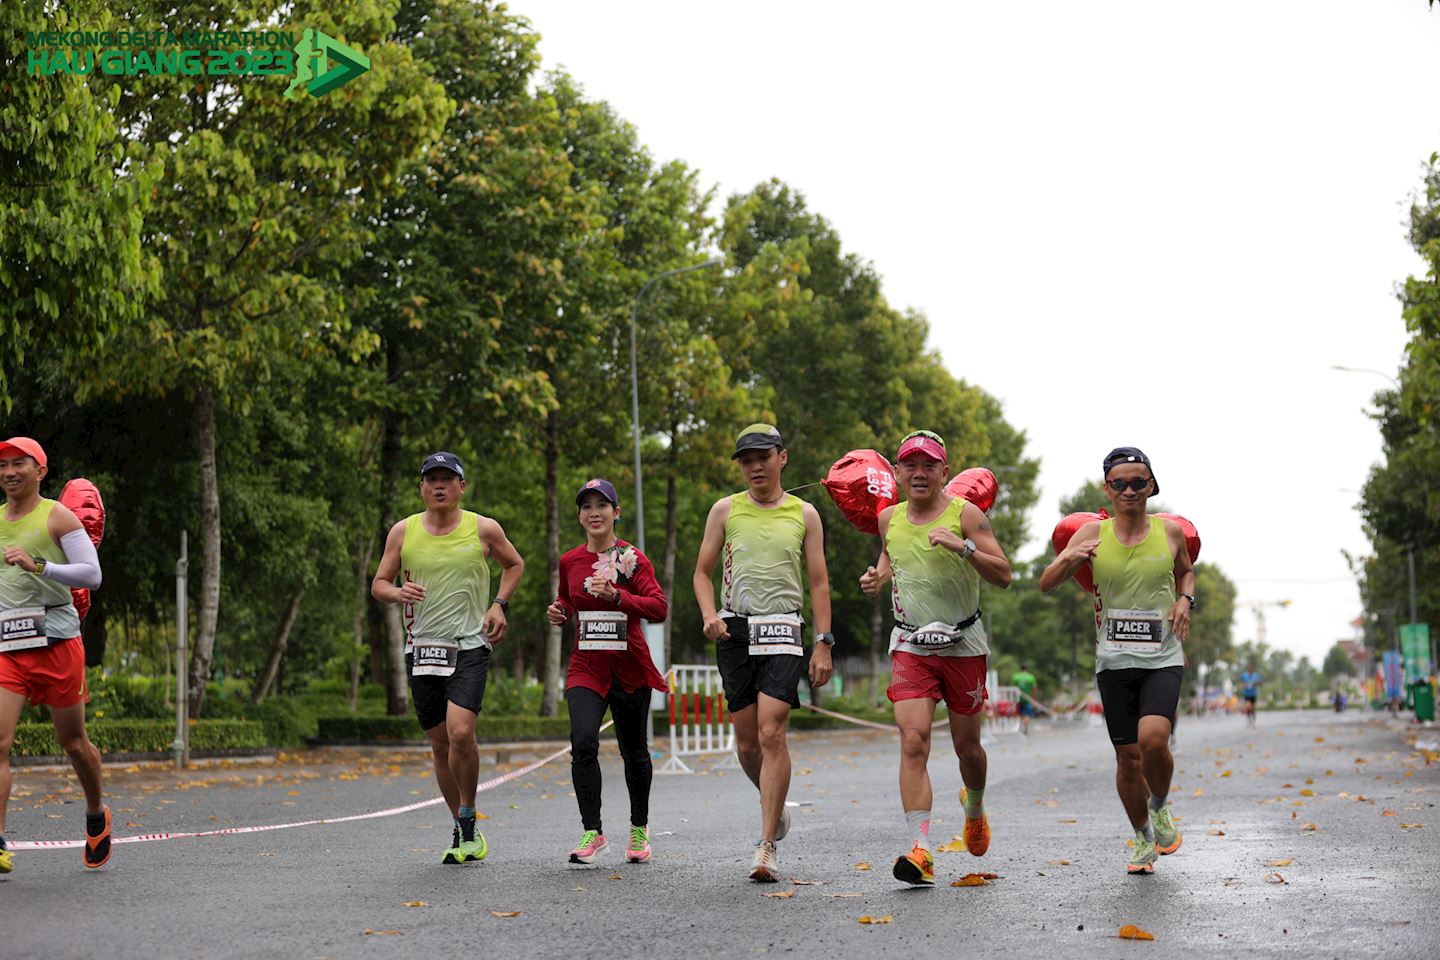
1167	835
7	859
917	867
468	851
639	849
592	844
765	868
976	832
452	854
1143	859
784	829
97	845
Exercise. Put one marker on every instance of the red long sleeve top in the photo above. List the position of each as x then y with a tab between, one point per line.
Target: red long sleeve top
640	599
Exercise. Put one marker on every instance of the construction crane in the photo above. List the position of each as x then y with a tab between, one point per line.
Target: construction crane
1258	608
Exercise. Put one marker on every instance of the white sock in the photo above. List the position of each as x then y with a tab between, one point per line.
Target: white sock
919	823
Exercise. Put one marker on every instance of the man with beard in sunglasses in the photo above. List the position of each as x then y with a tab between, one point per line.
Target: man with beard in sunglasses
1144	592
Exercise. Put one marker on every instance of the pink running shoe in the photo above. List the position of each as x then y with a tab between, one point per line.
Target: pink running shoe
639	849
592	844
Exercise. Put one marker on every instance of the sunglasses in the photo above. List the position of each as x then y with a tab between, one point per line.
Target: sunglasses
1136	483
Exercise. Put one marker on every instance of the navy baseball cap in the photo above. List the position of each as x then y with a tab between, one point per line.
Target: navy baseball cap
443	461
605	488
1121	455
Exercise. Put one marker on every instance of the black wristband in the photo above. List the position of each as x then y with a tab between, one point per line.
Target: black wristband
1191	598
504	605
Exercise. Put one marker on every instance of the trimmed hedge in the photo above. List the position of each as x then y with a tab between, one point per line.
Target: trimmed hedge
142	736
351	729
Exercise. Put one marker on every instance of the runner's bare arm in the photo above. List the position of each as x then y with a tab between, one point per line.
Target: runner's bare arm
876	576
1079	551
383	587
512	568
988	559
1184	579
703	580
821	666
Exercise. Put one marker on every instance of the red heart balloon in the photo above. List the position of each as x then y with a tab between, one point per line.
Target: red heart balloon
1060	539
862	483
83	499
977	485
1192	536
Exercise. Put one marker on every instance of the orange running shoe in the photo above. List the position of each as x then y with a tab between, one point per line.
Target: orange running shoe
917	867
97	845
976	832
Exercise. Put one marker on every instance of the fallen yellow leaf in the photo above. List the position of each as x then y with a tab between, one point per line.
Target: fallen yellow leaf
1061	863
381	933
782	895
502	914
1308	826
1274	878
869	919
1307	792
414	903
1069	821
970	880
1319	739
1198	792
1217	833
807	883
1132	932
614	876
1411	826
1309	779
1284	862
862	865
956	845
1388	813
1225	774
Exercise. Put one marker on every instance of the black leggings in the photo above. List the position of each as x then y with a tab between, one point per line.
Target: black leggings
587	710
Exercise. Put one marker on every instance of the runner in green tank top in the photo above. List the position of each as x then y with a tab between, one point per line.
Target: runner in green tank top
45	551
451	623
1144	592
938	549
766	535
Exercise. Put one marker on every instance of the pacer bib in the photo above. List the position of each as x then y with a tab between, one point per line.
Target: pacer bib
434	658
1134	630
22	628
603	630
776	633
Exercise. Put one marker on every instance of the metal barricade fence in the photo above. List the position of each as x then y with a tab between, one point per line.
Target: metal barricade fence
1002	710
700	722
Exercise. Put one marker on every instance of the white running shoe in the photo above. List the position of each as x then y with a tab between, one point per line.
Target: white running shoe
765	868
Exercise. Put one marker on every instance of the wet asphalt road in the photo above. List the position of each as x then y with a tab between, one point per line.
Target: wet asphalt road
1362	881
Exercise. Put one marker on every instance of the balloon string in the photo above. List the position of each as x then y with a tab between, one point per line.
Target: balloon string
804	486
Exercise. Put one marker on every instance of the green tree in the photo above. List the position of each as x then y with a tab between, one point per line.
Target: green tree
1337	663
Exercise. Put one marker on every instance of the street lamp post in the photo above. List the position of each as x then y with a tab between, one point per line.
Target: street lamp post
635	387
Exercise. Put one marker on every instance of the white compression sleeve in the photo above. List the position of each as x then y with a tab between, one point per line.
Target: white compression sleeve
83	570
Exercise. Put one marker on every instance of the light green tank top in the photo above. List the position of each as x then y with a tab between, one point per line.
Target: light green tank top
456	577
764	557
1131	585
932	584
21	589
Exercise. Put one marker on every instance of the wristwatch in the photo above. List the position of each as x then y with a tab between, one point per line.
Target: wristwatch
616	601
39	566
826	638
969	549
1191	598
504	605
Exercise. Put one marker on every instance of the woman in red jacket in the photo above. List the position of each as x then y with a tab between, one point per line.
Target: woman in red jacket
608	586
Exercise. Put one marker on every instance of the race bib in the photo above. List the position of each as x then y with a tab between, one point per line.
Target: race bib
1136	631
778	633
934	636
22	628
603	630
434	658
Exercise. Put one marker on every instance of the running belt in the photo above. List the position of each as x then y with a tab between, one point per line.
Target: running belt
911	628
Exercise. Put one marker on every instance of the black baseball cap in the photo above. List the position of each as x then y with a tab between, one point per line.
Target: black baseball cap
757	436
1130	455
605	488
443	461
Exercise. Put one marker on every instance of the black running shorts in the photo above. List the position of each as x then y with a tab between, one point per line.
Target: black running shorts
464	688
745	677
1135	692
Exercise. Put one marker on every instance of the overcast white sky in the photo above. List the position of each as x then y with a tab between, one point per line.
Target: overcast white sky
1135	222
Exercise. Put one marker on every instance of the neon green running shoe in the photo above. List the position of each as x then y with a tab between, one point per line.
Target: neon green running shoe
1143	859
468	851
1167	835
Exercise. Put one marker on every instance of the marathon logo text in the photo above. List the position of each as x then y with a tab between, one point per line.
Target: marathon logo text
160	38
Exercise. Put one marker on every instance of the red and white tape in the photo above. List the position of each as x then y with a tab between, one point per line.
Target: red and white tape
231	831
